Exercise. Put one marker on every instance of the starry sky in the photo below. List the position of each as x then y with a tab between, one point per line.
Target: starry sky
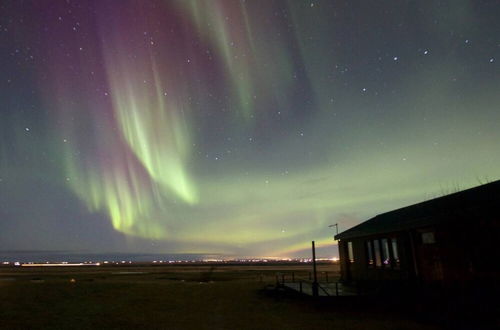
242	128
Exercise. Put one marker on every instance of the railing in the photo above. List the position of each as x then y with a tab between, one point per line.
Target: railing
282	276
306	283
323	289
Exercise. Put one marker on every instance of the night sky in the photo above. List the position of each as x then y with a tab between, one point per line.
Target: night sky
237	128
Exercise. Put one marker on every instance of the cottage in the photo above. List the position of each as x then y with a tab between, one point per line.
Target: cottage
448	241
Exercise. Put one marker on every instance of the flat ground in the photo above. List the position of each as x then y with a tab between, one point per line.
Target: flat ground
179	297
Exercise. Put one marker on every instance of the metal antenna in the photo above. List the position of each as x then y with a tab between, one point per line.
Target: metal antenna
336	225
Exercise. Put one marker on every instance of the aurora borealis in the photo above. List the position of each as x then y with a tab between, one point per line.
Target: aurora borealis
241	128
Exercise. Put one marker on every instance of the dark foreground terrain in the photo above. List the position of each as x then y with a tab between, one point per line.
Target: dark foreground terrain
180	297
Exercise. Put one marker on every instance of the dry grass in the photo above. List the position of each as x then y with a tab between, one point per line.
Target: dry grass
228	297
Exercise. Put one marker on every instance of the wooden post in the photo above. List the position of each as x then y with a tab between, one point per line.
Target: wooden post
283	278
326	276
300	286
293	277
336	288
413	255
315	281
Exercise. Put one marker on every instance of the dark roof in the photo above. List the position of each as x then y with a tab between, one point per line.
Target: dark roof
479	199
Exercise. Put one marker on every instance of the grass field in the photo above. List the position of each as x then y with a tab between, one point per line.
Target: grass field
177	297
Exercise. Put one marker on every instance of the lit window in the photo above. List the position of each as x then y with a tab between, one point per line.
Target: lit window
350	252
428	238
386	259
395	254
378	259
369	253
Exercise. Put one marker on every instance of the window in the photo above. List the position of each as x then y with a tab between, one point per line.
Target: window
395	254
386	258
369	253
350	252
378	259
428	238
